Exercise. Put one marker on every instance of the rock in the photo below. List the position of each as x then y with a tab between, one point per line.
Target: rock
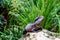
40	35
57	38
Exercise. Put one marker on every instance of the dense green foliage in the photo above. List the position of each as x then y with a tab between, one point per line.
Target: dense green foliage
22	12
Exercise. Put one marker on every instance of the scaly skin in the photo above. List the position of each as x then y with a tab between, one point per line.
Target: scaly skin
35	26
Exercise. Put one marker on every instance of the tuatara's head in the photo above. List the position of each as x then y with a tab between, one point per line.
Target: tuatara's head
38	22
39	19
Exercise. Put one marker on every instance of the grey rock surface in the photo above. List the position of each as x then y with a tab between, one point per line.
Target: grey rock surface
41	35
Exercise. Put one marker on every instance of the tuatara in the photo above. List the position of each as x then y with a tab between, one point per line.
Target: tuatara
35	26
